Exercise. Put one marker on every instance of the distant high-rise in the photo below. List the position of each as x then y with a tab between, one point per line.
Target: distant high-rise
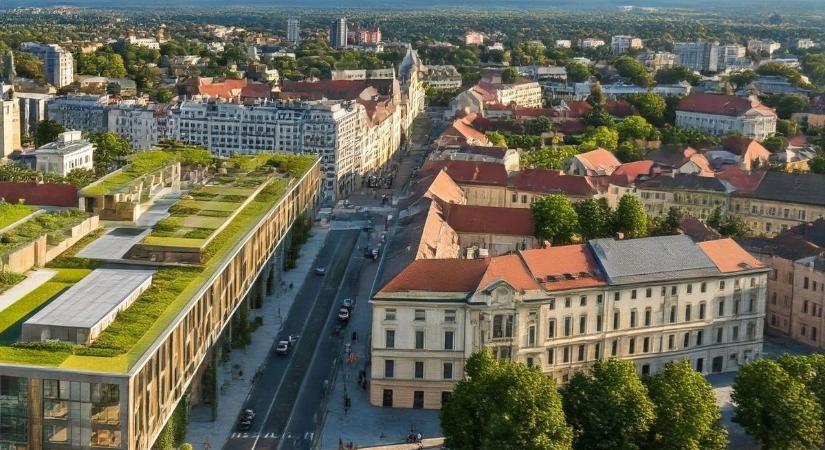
293	30
338	33
58	64
701	56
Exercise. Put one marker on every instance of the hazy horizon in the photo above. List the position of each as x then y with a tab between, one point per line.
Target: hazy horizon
813	5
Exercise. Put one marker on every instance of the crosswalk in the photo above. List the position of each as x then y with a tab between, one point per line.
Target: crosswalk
308	436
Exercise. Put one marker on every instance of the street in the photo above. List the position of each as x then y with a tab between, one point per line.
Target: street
281	378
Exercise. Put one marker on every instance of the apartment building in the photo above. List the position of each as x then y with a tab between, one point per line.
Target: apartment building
444	77
726	114
139	125
363	74
586	43
701	56
473	38
796	293
338	33
655	61
58	64
732	56
88	113
804	44
9	126
650	300
696	195
563	43
32	110
781	201
623	44
759	46
145	42
293	30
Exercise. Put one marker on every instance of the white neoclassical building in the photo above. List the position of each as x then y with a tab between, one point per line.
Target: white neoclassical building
650	300
69	152
726	114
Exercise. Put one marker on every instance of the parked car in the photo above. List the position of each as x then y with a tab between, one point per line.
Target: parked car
343	314
282	348
320	270
245	421
348	303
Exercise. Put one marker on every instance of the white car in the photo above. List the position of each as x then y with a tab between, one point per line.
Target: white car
347	303
282	348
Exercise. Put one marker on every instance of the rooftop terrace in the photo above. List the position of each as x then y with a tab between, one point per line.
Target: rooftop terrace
215	219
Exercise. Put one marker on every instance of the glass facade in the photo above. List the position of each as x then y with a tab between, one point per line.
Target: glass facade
14	413
80	415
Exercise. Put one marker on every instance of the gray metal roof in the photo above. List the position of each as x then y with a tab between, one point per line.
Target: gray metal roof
651	259
86	303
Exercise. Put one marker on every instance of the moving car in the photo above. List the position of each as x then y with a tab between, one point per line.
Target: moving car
343	314
320	270
282	348
245	421
348	303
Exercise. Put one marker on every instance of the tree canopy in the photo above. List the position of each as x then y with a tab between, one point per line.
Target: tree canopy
555	219
503	404
47	131
631	218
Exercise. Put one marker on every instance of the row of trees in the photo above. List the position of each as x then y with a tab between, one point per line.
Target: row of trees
503	404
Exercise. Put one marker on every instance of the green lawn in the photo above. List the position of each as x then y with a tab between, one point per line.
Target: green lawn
10	213
142	163
223	190
12	318
209	205
174	242
198	221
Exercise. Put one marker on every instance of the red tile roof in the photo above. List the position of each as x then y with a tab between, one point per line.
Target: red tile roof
510	269
471	172
728	105
633	170
619	108
743	182
461	132
490	220
551	182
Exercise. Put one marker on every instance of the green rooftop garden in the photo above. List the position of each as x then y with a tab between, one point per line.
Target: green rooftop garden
56	225
137	328
12	212
144	163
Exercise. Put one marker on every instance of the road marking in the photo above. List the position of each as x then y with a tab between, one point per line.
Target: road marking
320	341
243	435
303	327
309	435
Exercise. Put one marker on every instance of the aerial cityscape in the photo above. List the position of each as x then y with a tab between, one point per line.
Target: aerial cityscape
488	225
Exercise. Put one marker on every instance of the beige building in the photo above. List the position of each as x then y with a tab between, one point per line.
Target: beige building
726	114
623	44
796	286
697	195
781	201
9	127
651	301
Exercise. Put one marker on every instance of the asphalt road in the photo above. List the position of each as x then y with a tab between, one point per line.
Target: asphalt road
274	394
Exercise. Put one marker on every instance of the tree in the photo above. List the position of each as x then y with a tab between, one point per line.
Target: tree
47	131
29	66
104	63
778	411
548	157
635	127
687	416
603	137
538	125
594	218
631	219
596	98
598	117
496	138
817	164
670	224
609	409
509	75
555	219
728	224
628	67
775	143
81	177
629	151
675	75
109	148
577	72
649	105
742	79
810	371
504	404
787	105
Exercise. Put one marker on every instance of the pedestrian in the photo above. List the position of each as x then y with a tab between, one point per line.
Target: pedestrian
354	336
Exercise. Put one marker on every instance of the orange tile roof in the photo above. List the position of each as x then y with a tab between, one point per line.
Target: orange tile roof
562	267
439	275
599	160
728	256
510	269
471	172
727	105
635	169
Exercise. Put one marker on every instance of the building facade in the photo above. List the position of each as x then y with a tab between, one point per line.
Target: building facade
726	114
623	44
9	127
58	64
651	301
69	152
338	33
88	113
293	30
781	201
701	56
329	129
444	77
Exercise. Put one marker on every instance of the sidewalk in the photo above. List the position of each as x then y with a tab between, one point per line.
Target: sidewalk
234	389
34	280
